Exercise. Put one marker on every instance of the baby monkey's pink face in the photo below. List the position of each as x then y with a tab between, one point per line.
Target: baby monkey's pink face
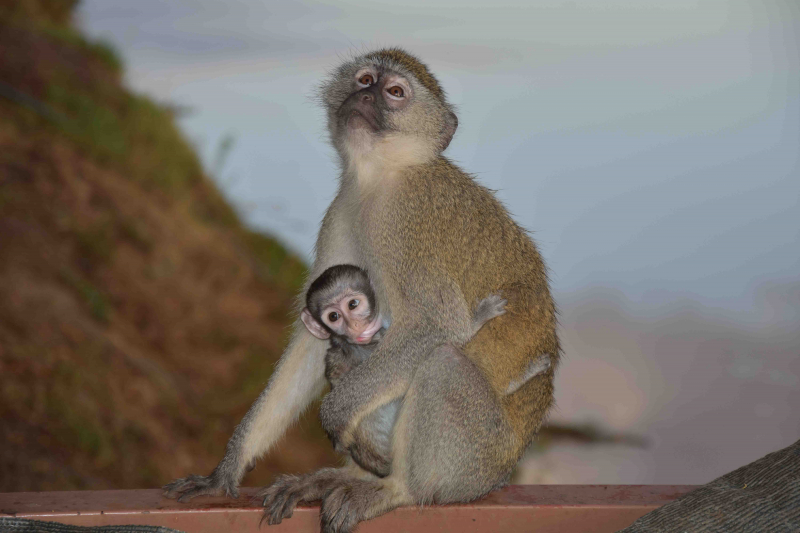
348	316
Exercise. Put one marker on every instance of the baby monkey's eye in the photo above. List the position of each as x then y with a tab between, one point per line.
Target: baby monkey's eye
353	304
366	79
333	317
396	91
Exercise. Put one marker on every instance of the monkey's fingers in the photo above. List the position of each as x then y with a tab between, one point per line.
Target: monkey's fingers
494	304
490	307
185	489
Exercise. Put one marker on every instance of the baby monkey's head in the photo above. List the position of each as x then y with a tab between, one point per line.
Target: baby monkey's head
341	302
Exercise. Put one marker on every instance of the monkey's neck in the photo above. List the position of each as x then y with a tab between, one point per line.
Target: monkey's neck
385	158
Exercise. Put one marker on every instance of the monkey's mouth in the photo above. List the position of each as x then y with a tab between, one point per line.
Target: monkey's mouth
367	334
358	120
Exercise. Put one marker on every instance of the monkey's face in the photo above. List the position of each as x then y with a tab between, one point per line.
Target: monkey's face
351	316
377	105
375	93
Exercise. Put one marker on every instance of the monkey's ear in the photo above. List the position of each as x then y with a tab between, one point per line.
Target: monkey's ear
450	126
312	325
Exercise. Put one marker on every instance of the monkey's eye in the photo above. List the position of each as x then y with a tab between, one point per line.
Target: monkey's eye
333	317
396	91
366	80
352	304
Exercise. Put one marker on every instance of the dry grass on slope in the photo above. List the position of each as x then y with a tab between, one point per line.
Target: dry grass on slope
138	318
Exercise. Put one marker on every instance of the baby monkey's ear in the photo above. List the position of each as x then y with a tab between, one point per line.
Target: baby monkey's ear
313	325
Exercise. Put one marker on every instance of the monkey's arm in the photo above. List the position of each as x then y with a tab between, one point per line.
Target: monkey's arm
298	379
490	307
342	357
338	362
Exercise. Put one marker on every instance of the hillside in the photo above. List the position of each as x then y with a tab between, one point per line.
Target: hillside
138	317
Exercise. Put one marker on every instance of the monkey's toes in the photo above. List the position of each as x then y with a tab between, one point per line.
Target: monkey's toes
280	499
335	514
347	504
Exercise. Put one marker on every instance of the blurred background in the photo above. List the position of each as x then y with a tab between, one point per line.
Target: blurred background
155	220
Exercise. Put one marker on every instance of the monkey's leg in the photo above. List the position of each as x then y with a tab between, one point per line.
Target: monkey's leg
451	443
453	439
538	366
372	444
298	379
354	500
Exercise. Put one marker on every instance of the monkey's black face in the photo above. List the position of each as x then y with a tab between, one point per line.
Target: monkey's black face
376	94
360	112
385	108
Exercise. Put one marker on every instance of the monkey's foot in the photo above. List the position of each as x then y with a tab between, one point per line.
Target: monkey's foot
352	501
186	488
281	498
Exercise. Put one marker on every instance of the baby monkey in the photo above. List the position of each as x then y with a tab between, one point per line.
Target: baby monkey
341	307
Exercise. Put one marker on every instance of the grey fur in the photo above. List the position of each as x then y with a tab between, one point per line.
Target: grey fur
372	441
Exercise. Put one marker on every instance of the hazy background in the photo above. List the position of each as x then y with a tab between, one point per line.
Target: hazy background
652	147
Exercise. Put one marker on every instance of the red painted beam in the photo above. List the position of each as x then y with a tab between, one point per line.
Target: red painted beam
529	508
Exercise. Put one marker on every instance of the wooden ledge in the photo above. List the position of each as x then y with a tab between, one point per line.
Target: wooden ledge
529	508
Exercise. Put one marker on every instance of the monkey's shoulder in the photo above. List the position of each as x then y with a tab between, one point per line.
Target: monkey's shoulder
443	201
443	185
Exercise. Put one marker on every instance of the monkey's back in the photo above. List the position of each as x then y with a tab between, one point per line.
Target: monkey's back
461	229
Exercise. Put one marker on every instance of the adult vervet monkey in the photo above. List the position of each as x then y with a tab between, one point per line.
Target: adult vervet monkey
434	242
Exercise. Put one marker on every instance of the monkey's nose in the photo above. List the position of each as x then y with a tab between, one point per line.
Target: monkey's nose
367	98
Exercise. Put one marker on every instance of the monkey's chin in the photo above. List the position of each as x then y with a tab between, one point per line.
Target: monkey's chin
360	141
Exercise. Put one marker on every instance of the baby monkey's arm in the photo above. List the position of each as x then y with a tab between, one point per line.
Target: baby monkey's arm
490	307
342	357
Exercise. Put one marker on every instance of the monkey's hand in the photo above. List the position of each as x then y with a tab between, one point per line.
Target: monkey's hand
490	307
186	488
336	365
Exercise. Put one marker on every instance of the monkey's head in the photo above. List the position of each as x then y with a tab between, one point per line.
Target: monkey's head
388	103
341	302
